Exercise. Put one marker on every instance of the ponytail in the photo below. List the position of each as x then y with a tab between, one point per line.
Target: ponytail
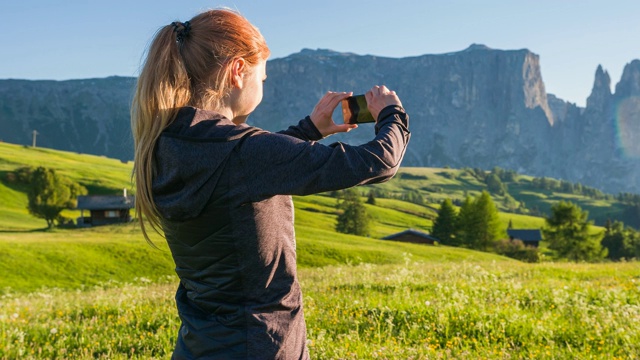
187	64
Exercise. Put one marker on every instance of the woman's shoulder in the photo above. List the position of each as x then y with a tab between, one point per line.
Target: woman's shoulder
205	125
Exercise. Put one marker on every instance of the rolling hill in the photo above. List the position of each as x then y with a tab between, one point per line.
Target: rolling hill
72	258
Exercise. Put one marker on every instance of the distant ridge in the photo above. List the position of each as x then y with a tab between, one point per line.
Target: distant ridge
479	107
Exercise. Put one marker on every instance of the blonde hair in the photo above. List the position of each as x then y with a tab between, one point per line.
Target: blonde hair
186	65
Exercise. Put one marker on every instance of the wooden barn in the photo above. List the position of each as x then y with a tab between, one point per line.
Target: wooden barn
412	236
530	237
105	209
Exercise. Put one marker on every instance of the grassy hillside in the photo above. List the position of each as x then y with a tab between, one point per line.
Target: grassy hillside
75	258
79	258
107	176
100	175
72	258
436	184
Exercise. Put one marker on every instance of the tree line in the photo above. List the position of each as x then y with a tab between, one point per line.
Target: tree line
476	226
497	181
567	230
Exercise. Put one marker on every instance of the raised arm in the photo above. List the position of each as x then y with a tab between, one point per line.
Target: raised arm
277	164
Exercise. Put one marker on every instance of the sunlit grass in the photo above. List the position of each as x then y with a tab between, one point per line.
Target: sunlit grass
411	310
73	259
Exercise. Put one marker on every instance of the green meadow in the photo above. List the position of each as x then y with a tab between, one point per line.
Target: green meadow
103	293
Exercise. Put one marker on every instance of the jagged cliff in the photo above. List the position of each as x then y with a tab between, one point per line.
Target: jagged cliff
478	107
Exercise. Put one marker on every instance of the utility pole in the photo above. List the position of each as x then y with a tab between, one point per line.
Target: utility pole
35	133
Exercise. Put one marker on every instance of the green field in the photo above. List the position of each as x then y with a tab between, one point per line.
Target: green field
104	293
415	310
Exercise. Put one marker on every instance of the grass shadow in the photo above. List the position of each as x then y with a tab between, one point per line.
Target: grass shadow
23	231
13	185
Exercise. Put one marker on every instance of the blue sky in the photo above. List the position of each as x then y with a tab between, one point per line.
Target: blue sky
74	39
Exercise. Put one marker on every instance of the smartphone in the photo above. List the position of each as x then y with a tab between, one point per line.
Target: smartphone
355	111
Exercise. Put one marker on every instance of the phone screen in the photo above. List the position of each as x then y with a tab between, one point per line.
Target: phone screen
355	111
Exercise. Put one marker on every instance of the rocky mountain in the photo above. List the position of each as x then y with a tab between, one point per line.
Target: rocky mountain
85	116
475	108
478	108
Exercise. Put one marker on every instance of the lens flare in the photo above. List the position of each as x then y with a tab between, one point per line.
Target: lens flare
628	126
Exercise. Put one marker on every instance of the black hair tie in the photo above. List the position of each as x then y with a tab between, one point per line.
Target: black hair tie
181	29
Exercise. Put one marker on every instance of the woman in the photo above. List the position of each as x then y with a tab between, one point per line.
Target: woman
220	190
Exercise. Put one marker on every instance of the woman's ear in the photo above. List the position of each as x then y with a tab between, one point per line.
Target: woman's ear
238	68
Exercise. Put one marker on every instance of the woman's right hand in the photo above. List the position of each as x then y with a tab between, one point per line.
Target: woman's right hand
378	98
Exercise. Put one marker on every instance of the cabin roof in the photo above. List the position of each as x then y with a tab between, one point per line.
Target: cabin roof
105	202
525	234
410	232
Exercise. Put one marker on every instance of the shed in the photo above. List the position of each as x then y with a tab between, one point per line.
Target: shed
530	237
105	209
412	236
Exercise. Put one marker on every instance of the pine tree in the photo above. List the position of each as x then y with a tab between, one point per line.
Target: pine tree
495	185
488	222
354	218
444	226
478	223
371	199
465	223
568	233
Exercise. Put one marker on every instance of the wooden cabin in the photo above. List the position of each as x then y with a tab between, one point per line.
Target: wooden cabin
105	209
529	237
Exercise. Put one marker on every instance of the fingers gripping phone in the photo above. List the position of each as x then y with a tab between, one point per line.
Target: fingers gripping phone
355	111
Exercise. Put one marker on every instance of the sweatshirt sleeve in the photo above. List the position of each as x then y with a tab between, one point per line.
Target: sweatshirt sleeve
275	164
305	130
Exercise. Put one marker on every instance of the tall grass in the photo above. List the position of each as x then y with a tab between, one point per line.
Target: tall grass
413	310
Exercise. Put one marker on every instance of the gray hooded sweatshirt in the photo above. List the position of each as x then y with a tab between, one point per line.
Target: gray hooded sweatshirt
224	194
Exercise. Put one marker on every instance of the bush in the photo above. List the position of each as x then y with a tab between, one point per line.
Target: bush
516	249
65	222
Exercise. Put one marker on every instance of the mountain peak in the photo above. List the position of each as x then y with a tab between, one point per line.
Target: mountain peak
629	84
477	47
601	90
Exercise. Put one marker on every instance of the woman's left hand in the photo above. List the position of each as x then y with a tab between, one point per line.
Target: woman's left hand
322	115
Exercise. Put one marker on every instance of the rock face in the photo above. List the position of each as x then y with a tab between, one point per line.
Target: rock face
86	116
478	107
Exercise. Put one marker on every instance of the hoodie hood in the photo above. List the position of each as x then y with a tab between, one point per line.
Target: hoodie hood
189	158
